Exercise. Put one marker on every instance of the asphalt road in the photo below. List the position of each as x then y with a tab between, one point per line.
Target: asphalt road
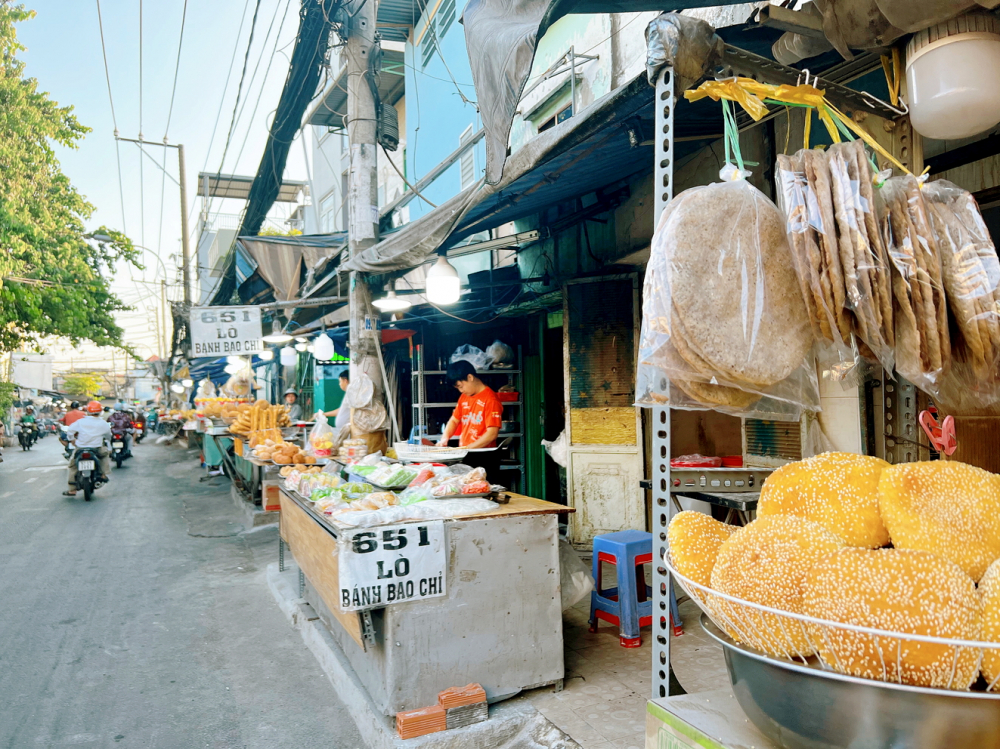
142	618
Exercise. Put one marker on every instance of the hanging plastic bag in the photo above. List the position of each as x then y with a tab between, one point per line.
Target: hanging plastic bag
838	253
321	437
475	356
923	339
558	449
724	324
575	580
500	353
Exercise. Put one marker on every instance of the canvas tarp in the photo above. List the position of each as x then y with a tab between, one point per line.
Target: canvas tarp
504	35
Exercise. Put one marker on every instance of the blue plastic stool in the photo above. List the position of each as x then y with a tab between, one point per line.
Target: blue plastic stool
628	605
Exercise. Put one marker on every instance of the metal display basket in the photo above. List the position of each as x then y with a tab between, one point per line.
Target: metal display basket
810	700
428	453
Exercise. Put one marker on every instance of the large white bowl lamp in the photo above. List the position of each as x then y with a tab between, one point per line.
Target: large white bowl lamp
443	282
277	335
392	303
951	77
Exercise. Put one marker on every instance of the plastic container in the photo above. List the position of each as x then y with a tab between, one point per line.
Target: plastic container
508	397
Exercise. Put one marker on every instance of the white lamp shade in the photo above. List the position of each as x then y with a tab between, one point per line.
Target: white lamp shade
951	81
443	282
234	359
301	346
187	383
177	388
276	335
323	347
266	355
392	303
289	357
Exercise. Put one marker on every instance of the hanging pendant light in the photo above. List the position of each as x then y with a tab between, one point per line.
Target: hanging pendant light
301	346
444	285
266	355
187	383
277	335
323	347
392	303
289	356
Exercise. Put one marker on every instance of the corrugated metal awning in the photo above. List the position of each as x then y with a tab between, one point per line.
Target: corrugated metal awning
212	185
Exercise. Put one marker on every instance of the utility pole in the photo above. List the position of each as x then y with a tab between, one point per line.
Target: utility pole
362	188
182	174
186	264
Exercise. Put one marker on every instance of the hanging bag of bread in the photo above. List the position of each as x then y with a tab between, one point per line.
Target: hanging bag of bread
920	306
829	204
724	325
970	274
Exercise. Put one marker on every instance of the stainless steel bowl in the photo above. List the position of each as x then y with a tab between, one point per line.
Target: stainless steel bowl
806	707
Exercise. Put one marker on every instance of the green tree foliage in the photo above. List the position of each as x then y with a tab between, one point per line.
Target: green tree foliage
52	280
81	385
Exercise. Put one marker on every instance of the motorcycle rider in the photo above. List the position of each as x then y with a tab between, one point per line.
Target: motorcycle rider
121	420
91	432
28	423
68	419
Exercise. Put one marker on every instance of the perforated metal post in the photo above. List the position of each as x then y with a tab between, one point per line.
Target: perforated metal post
663	178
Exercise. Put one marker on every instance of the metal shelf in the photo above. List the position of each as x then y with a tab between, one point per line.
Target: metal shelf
517	467
452	405
478	371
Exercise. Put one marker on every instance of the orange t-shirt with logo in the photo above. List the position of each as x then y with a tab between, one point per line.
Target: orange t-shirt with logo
476	413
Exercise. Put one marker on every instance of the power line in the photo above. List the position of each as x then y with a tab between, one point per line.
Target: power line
239	88
225	87
114	119
263	84
177	68
142	179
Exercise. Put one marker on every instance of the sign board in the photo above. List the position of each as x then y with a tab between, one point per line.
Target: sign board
225	331
391	563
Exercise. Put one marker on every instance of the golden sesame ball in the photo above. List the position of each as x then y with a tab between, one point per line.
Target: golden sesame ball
947	508
989	590
912	592
694	540
837	490
766	563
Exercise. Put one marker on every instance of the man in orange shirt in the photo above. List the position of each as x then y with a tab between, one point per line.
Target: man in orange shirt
479	412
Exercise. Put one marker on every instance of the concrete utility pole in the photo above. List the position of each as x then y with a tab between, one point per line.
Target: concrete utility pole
362	187
185	240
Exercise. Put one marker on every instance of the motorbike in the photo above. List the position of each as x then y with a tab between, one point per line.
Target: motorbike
88	477
64	439
140	431
28	436
118	452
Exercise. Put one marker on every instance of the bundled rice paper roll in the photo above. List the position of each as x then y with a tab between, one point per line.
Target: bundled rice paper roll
920	306
838	252
724	321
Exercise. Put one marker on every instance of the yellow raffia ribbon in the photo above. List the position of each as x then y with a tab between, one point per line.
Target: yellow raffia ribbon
750	95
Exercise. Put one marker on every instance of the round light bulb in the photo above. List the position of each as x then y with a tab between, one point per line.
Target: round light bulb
323	347
289	357
444	285
234	359
187	383
266	355
301	346
177	388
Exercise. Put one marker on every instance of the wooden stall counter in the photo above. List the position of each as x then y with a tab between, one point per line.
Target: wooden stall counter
496	618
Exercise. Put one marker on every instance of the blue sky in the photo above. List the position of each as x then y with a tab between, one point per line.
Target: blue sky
64	53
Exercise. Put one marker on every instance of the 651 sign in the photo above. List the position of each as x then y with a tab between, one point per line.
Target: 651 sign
391	564
221	331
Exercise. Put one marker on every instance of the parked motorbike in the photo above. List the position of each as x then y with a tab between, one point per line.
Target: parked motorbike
118	451
28	436
88	476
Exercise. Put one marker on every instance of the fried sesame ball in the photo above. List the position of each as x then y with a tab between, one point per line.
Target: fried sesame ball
694	540
837	490
766	563
944	507
896	590
989	590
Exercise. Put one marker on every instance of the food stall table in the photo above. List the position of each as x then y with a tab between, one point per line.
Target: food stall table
497	623
708	720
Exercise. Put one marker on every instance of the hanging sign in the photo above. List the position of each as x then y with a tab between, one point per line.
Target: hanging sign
391	564
225	331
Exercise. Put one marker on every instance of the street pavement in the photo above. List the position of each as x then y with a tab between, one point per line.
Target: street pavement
143	619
